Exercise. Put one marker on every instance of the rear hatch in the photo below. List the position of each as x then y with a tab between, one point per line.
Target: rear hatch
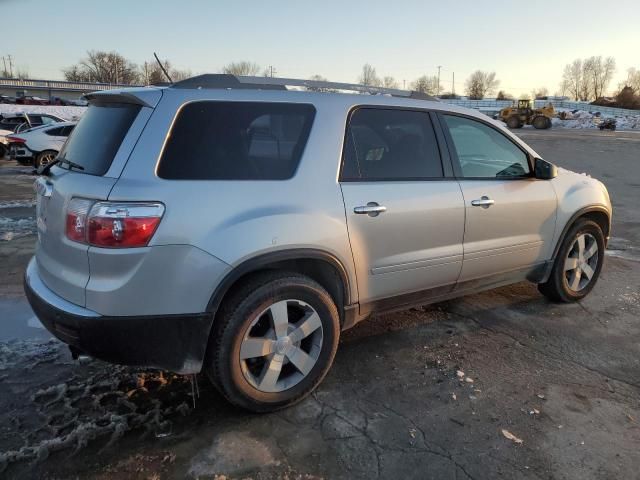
99	148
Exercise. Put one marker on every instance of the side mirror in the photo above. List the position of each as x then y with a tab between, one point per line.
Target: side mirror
545	170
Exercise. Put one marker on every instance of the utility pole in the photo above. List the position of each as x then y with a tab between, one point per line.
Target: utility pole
404	84
438	88
4	62
10	65
453	84
271	71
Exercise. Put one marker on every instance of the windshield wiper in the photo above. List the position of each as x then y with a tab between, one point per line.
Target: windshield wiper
44	170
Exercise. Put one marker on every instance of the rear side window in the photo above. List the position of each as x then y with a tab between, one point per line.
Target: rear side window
388	144
55	132
98	135
236	141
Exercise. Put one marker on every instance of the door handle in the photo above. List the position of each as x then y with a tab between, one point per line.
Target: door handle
484	202
372	209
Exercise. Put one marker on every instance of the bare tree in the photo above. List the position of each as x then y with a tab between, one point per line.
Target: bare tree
502	95
22	73
539	92
152	74
242	68
103	67
390	82
633	80
369	76
600	72
572	78
319	78
426	84
589	78
479	84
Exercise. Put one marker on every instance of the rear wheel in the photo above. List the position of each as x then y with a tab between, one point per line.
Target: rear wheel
275	341
577	265
44	158
514	122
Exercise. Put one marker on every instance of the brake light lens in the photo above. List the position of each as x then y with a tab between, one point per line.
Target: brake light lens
115	225
76	221
11	139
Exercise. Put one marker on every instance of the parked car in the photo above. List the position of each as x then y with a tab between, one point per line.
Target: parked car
228	225
30	100
7	99
4	143
39	145
17	122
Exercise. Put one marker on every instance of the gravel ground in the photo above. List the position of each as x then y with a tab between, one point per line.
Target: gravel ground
499	384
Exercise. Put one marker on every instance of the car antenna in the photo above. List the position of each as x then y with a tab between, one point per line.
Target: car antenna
162	68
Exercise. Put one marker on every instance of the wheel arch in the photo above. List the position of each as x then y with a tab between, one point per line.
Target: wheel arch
597	213
321	266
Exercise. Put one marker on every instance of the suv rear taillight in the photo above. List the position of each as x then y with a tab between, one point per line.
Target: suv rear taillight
112	224
11	139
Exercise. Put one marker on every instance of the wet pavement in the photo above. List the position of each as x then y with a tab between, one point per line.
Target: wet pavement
19	321
501	384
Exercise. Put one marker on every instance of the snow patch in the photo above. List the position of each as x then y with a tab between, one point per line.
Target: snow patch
17	204
66	112
98	401
11	228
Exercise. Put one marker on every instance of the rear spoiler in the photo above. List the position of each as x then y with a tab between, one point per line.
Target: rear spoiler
144	97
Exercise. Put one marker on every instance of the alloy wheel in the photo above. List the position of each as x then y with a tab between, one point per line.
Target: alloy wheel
46	158
581	262
281	346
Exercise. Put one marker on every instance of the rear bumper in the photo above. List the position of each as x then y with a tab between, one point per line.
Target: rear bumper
21	154
172	342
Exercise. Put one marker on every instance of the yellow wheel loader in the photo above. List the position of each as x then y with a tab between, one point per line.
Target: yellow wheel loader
524	114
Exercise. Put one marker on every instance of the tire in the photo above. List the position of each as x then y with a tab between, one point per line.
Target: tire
540	123
43	158
563	286
279	375
514	122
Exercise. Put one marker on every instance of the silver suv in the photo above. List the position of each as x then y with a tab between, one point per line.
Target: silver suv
235	226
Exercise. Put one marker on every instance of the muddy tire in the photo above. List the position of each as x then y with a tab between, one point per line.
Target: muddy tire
540	123
578	264
273	342
514	122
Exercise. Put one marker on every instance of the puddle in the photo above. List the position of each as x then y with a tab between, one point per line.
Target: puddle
18	322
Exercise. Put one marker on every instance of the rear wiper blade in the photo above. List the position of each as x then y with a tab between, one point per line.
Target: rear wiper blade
44	170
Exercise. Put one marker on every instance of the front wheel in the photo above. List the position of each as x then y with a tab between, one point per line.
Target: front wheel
514	122
275	341
577	265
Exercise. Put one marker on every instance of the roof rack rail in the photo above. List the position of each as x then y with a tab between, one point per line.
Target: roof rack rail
226	81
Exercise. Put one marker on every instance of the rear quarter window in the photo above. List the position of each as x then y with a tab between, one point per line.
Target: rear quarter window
236	141
97	137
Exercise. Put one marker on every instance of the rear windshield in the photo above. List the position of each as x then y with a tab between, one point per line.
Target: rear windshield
236	141
98	135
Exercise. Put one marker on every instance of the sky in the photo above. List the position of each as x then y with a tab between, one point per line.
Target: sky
527	44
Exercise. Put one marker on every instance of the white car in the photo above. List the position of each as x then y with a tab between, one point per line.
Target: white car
4	143
39	145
